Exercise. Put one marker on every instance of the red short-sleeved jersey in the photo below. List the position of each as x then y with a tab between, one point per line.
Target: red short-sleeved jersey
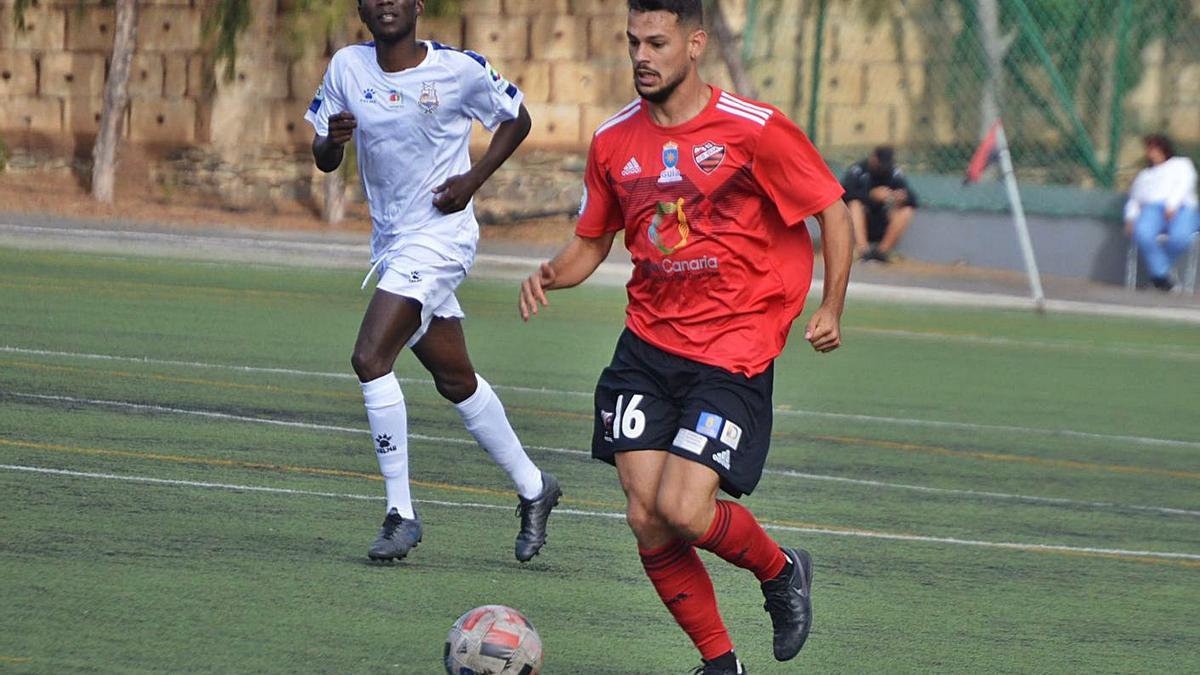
713	213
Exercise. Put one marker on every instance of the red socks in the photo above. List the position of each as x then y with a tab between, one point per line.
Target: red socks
686	589
736	536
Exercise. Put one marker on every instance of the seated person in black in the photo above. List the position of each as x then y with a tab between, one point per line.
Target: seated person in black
881	204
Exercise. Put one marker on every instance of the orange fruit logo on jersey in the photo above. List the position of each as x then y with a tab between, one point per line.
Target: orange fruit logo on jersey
664	237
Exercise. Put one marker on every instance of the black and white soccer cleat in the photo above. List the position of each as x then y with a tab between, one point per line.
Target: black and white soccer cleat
397	537
789	602
534	513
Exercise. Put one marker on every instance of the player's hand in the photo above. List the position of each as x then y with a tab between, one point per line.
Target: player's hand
824	330
1129	228
533	290
454	195
341	127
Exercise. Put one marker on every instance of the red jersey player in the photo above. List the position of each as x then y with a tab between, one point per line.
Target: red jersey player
712	191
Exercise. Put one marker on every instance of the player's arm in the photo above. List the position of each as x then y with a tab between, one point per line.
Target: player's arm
837	246
328	151
576	262
454	195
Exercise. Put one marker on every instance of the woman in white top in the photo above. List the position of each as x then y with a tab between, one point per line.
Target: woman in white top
1162	200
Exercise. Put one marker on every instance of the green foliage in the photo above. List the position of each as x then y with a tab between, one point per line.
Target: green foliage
21	6
19	9
224	21
443	7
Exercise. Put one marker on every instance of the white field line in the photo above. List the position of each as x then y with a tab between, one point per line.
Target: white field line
785	411
610	515
582	453
229	246
1174	352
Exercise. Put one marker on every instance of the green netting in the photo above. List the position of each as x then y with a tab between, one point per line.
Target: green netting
1077	82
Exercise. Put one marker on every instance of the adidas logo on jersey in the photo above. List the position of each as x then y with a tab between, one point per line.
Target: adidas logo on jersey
632	168
721	458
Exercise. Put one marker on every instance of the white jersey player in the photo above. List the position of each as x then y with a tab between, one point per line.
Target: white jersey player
409	106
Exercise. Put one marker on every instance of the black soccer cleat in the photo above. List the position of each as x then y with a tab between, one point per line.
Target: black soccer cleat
713	669
789	602
397	537
533	514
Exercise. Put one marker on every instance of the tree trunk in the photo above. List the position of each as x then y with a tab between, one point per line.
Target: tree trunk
731	52
333	207
116	100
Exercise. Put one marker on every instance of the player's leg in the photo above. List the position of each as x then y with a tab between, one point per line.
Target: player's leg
877	225
899	218
390	320
670	562
635	409
1179	233
722	442
1151	222
443	352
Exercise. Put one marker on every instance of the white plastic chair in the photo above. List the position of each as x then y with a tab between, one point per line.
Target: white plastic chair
1189	270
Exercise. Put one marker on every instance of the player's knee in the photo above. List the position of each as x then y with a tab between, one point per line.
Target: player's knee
455	387
642	519
684	516
368	365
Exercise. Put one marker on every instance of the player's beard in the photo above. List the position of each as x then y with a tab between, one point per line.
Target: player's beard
663	93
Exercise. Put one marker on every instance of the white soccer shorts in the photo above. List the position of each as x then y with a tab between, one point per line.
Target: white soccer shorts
427	277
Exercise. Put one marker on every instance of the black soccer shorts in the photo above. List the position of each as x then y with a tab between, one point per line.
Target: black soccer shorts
649	399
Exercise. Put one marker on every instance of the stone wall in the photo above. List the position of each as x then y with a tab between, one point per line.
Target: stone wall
568	56
52	74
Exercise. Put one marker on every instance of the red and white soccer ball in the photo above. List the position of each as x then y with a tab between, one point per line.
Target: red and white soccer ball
493	640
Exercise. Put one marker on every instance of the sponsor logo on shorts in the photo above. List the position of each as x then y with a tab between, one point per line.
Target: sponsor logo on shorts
709	424
690	441
731	435
414	277
722	458
606	418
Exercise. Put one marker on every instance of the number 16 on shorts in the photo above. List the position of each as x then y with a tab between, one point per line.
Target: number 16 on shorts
629	421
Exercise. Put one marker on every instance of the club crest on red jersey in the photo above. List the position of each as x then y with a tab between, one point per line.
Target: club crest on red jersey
670	159
708	156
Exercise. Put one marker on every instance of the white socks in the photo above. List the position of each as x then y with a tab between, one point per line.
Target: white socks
484	417
483	414
389	428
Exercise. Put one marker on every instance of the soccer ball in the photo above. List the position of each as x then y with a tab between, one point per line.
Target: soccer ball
493	640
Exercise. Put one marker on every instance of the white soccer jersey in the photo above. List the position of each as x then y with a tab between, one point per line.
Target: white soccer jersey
413	132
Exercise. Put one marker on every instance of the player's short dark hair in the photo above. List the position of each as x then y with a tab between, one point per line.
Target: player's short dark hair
688	11
1161	142
885	154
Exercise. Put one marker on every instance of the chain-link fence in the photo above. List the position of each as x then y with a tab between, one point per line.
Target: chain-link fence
1077	82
